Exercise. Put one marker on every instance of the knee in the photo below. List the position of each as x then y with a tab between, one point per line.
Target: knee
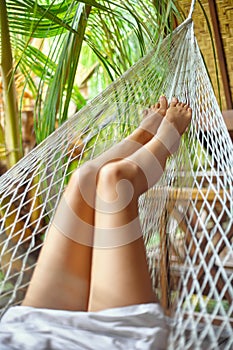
116	189
83	177
113	173
82	186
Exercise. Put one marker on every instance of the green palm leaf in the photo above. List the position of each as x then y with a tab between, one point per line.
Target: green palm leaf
117	32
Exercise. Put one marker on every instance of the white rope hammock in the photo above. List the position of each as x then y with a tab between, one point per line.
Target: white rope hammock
187	218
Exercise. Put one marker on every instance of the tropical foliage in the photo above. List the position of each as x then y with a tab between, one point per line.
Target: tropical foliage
52	49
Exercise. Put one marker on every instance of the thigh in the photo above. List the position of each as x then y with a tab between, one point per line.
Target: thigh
120	277
120	274
61	279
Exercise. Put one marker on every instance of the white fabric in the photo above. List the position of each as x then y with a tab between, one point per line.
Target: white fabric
132	327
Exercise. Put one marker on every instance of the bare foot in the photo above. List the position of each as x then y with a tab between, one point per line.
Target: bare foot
175	123
154	115
160	107
179	114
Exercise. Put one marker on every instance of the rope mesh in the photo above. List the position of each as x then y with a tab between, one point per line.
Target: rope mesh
187	218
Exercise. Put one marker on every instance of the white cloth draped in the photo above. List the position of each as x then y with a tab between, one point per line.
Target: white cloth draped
131	327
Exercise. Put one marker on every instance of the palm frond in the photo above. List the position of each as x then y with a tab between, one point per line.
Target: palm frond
117	32
31	19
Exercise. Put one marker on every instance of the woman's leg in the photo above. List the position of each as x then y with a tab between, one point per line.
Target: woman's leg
120	273
61	276
146	130
61	279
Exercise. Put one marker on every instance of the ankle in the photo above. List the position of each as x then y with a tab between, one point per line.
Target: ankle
169	136
151	123
141	136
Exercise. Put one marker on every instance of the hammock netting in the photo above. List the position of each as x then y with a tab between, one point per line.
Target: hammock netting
187	218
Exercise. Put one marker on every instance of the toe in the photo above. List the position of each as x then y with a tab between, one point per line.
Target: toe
153	108
174	101
145	112
156	106
189	114
179	104
163	102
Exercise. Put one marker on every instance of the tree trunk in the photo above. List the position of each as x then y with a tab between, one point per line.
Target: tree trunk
11	115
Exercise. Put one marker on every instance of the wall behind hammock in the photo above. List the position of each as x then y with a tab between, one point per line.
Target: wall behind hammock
225	16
